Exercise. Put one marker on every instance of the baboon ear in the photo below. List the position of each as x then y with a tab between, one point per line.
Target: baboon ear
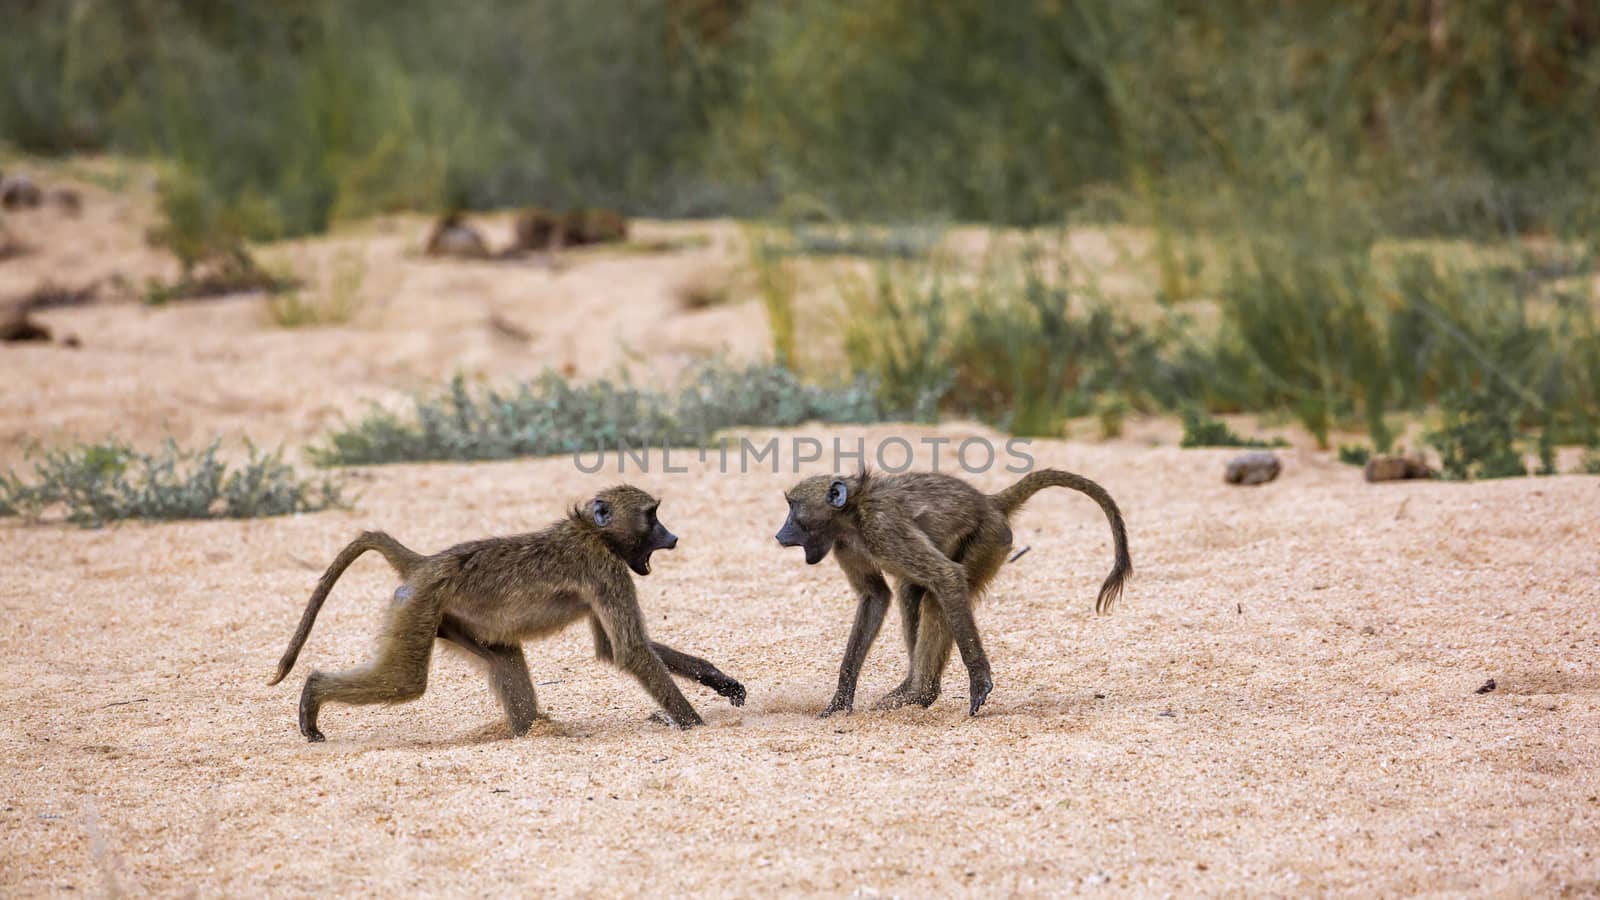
601	511
837	495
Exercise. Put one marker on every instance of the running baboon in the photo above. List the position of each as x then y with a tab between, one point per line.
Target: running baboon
943	540
489	596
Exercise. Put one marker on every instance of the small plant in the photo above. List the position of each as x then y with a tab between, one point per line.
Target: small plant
1200	430
111	481
1112	412
293	309
1354	454
1590	464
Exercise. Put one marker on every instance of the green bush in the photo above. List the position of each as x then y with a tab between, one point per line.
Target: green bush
551	416
1354	454
111	481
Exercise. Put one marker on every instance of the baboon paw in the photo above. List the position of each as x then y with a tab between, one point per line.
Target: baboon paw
312	735
981	685
734	691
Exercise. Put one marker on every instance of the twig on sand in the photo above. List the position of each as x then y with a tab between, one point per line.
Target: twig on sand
1018	555
126	702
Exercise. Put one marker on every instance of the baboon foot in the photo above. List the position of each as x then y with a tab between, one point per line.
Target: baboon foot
661	718
308	714
837	704
905	695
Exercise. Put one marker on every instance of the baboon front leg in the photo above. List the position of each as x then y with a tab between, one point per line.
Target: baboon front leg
400	672
620	637
680	663
508	674
873	592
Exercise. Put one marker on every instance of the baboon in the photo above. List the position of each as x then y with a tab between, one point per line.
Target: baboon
943	540
489	596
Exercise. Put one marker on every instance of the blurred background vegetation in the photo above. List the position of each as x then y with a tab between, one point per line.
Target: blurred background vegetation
1390	205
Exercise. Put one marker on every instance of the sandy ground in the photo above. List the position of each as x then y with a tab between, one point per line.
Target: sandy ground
1285	703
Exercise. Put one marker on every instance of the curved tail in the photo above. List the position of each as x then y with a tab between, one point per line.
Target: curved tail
401	558
1011	499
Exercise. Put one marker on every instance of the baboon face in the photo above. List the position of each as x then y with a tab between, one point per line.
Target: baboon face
814	508
626	517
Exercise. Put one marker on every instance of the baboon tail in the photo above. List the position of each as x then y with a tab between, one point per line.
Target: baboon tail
1012	498
399	556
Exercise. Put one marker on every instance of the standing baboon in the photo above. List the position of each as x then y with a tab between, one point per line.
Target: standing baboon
943	540
489	596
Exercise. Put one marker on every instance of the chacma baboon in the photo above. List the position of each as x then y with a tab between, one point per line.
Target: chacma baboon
943	540
489	596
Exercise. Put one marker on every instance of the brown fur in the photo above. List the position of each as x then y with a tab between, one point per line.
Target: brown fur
943	540
489	596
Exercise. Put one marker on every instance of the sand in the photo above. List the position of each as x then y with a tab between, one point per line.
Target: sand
1285	703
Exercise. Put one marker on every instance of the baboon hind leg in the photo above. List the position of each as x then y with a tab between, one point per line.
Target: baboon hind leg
399	673
908	598
508	674
930	655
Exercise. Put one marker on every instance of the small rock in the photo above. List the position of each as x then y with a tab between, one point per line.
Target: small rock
19	192
22	328
535	229
1252	468
1488	686
70	201
1396	468
452	236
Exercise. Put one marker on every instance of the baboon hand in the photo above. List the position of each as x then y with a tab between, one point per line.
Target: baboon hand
727	687
980	684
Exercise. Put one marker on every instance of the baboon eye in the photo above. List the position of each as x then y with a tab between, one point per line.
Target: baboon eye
601	511
837	494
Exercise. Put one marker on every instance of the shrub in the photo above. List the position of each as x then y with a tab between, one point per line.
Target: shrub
1479	437
111	481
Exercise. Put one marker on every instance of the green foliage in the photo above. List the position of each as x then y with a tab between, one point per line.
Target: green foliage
111	481
1354	454
1200	430
552	416
1479	437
